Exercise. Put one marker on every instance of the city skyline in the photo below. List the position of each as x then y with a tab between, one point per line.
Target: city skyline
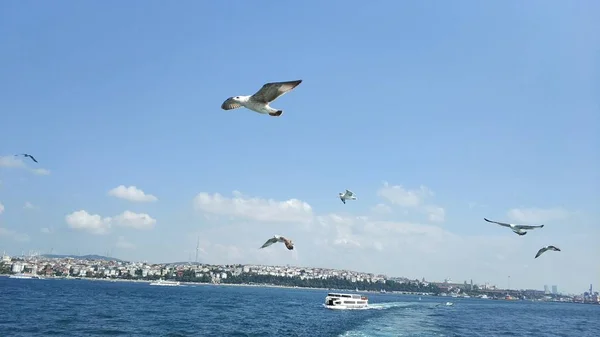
434	119
56	265
33	254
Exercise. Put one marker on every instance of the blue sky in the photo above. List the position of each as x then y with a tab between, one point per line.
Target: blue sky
492	107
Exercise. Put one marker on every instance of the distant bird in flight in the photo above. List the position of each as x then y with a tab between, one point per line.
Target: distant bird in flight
544	249
519	229
259	102
278	238
347	195
27	155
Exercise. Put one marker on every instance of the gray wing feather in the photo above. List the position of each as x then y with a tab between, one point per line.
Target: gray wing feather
230	104
530	226
498	223
270	91
269	242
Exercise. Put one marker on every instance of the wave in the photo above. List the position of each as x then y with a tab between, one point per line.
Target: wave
397	319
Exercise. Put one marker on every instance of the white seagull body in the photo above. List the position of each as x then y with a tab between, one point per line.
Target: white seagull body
259	102
347	195
544	249
278	238
519	229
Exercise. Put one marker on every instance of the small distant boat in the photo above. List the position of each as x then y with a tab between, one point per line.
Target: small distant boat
346	301
382	291
162	282
25	276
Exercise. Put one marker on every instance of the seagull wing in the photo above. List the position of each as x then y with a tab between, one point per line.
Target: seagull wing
498	223
529	226
270	242
540	252
554	248
349	193
230	104
30	156
271	91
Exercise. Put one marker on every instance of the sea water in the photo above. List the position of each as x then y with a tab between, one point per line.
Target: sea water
99	308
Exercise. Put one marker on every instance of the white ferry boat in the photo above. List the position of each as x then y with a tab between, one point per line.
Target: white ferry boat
346	301
162	282
25	276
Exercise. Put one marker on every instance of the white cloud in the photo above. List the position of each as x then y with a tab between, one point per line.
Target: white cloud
13	235
131	193
474	204
435	213
11	162
240	206
96	224
28	205
413	199
16	162
135	220
381	209
41	171
45	230
537	215
400	196
1	208
124	244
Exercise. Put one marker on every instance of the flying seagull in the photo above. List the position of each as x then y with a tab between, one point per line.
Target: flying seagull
544	249
27	155
519	229
259	102
278	238
347	195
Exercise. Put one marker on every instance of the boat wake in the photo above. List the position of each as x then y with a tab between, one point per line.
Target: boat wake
375	306
396	319
389	305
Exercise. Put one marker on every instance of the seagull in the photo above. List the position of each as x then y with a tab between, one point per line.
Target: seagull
544	249
348	195
259	102
278	238
519	229
27	155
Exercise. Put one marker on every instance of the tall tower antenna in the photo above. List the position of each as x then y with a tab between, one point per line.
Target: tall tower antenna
197	249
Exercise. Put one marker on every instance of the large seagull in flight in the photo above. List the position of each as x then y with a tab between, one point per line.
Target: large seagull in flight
347	195
278	238
544	249
519	229
259	102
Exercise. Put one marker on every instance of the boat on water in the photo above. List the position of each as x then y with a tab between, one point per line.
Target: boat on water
162	282
26	276
346	301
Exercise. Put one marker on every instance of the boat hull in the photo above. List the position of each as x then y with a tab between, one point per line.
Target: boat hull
346	307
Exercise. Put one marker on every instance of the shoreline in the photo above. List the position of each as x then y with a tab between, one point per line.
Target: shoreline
182	283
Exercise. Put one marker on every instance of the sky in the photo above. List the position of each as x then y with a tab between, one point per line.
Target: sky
435	114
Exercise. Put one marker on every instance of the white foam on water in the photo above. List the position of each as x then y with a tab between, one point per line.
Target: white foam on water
397	319
388	305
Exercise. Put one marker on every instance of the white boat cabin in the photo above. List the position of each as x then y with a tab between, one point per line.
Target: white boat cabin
346	301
